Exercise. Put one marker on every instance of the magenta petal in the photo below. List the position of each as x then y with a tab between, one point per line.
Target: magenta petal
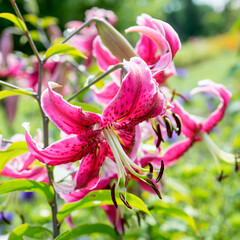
156	36
69	118
88	173
64	151
170	35
103	56
146	49
162	75
174	152
35	173
106	94
138	98
189	125
224	96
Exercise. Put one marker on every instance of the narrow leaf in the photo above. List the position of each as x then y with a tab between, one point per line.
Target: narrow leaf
27	185
8	93
17	21
15	149
63	49
34	232
99	198
168	210
87	229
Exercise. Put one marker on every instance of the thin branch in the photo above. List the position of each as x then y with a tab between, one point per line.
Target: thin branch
120	65
80	28
27	34
16	87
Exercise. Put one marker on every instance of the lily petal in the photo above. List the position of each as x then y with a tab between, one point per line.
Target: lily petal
88	173
138	98
69	118
224	96
170	35
64	151
106	94
190	127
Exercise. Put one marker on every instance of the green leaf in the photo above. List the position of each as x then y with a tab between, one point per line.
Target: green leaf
63	49
8	93
36	232
27	185
99	198
87	229
170	211
33	19
48	21
87	107
14	150
17	21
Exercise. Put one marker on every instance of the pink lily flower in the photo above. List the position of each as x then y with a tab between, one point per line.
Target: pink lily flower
84	40
196	128
23	166
113	134
158	45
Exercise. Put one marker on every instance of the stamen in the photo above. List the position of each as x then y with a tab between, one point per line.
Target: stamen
150	174
159	135
168	125
120	167
221	176
127	179
113	195
160	174
126	160
154	188
236	163
178	122
125	201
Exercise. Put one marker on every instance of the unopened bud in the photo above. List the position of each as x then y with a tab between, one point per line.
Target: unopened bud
114	41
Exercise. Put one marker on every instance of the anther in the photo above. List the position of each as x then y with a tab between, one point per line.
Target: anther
221	176
168	125
236	162
159	135
154	188
125	201
128	177
160	174
113	195
178	122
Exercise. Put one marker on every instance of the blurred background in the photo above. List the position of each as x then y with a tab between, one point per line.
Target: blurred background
209	31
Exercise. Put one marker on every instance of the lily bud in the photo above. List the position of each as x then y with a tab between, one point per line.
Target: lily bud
114	41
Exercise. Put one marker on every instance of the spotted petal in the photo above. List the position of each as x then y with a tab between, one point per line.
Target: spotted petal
138	98
64	151
88	173
69	118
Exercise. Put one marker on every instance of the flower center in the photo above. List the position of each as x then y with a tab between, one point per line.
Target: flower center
122	160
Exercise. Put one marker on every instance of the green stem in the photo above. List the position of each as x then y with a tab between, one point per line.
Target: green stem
120	65
27	34
16	87
45	120
79	29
